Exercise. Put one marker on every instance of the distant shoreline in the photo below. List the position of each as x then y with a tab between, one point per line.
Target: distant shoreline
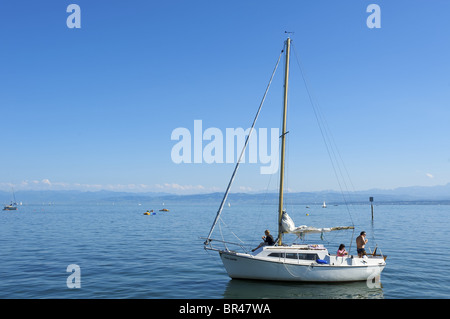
437	195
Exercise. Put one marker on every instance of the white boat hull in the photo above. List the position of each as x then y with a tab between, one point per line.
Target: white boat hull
246	266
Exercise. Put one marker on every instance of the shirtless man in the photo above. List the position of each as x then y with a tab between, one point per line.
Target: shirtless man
361	242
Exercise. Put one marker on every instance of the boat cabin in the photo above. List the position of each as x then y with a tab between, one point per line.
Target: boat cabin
305	254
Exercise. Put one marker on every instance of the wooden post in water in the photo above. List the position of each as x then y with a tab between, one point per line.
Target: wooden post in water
371	205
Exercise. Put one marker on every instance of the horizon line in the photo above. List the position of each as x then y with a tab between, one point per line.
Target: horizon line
242	191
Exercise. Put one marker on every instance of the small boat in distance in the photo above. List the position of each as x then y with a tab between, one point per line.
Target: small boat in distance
13	205
324	205
164	210
149	212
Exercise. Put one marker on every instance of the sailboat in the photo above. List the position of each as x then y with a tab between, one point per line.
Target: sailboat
295	262
324	205
13	205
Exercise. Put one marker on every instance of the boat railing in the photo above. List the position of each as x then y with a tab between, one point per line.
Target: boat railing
209	246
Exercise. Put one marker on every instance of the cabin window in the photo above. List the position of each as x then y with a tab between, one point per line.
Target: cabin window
294	256
307	256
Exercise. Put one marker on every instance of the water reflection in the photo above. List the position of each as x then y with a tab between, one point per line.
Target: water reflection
252	289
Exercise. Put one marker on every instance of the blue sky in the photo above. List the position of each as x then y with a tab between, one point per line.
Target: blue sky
94	108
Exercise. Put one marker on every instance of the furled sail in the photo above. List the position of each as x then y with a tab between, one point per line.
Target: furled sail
288	226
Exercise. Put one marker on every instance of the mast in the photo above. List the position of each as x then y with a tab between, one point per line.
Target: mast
283	141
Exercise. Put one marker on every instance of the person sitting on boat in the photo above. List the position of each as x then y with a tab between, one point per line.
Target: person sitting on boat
361	242
341	251
267	240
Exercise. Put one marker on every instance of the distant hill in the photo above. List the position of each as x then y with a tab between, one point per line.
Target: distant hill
415	194
74	196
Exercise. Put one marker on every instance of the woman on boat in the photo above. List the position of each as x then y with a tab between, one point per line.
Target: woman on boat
268	240
341	251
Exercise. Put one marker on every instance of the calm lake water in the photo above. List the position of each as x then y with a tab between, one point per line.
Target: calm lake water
125	254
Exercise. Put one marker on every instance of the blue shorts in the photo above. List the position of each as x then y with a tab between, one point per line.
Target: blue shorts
361	251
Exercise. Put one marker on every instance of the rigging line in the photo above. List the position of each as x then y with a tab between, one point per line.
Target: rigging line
337	161
229	229
326	138
243	150
335	150
318	115
223	239
225	224
262	204
332	145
